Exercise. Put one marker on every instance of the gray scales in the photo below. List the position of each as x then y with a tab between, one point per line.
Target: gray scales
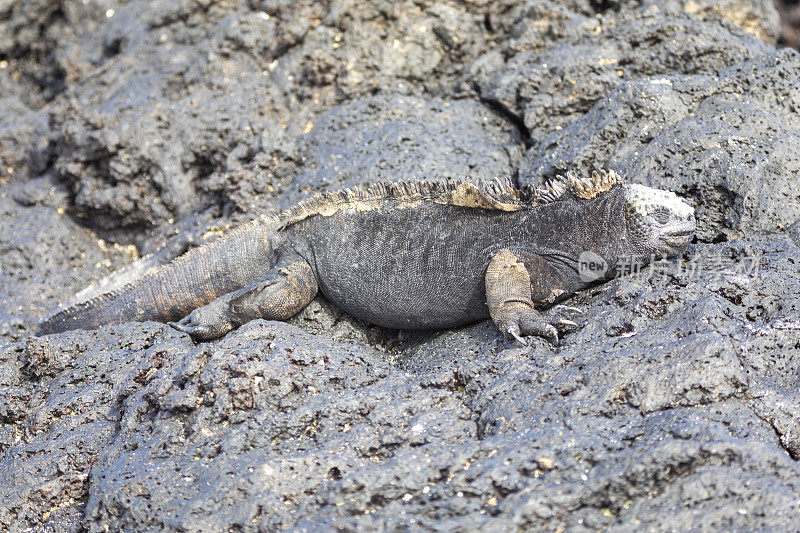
418	255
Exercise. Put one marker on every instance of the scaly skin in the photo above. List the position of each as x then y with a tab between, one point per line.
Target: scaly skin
171	291
419	256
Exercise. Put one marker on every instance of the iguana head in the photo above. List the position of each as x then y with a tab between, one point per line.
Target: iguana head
658	222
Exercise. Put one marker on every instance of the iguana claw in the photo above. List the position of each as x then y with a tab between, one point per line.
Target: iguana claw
514	331
560	316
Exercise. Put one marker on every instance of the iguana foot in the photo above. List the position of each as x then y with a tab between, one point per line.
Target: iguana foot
549	326
208	322
286	290
509	297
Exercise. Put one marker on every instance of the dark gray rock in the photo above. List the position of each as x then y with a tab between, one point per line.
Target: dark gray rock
25	148
726	141
64	398
550	87
194	141
271	414
673	407
44	257
392	137
759	17
175	116
220	92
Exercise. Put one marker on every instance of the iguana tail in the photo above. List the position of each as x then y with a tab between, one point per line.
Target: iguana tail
172	291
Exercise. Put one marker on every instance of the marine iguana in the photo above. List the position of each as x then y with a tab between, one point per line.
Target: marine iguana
408	255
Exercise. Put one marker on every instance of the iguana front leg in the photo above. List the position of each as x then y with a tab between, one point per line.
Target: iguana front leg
287	289
510	298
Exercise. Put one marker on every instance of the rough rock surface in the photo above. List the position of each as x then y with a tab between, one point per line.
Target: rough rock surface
674	407
395	137
551	86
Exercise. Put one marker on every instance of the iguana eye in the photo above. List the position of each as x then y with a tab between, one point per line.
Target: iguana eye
661	215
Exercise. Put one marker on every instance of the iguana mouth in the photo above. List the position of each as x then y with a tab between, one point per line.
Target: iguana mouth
678	238
678	234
